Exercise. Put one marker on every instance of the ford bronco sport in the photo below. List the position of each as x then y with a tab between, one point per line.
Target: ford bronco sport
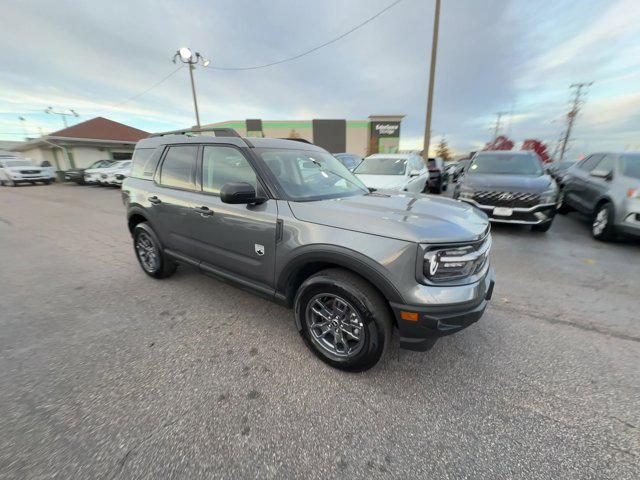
288	221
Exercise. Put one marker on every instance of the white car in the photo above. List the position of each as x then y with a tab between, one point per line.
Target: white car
93	175
394	171
14	170
116	173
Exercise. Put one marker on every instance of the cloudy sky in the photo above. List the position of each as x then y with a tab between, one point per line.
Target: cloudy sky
494	55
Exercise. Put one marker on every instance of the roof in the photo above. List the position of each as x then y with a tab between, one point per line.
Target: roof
101	128
153	142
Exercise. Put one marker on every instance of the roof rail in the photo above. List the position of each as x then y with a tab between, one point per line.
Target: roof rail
217	132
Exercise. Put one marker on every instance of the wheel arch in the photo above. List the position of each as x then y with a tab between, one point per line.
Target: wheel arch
134	217
309	261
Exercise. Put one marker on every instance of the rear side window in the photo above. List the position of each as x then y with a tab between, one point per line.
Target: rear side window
144	163
179	167
222	165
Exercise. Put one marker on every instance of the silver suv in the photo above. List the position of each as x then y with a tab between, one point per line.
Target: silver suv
605	186
288	221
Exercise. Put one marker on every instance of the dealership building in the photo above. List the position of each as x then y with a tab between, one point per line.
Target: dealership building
377	134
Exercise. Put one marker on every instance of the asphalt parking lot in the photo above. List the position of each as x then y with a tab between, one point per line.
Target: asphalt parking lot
106	373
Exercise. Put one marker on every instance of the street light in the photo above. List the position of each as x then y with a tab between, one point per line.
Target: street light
187	56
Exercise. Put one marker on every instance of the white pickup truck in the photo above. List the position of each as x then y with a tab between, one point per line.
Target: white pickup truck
14	170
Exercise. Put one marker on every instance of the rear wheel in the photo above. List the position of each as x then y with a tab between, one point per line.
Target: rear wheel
345	321
602	223
150	253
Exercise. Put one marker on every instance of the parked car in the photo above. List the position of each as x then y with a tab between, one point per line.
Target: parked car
48	169
15	170
349	160
605	186
77	175
510	187
115	174
93	175
288	221
394	171
438	176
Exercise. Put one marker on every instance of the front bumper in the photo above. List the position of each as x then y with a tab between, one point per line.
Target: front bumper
523	216
29	178
629	221
437	320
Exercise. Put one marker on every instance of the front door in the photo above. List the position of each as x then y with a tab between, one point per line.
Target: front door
238	239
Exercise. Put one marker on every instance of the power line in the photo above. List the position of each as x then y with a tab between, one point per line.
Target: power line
314	49
138	95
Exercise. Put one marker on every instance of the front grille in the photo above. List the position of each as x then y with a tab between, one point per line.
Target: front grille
29	172
506	199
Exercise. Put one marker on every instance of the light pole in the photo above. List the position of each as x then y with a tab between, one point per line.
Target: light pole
187	56
432	74
63	114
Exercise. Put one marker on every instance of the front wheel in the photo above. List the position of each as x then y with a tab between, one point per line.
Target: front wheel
344	319
602	223
150	253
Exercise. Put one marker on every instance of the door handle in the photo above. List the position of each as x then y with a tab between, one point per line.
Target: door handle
204	211
155	200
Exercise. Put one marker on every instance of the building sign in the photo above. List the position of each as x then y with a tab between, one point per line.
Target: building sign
386	129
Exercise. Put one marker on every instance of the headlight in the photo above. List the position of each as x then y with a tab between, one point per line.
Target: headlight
442	264
550	195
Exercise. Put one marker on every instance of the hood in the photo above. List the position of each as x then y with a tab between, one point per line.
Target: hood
383	181
405	216
33	168
115	171
514	183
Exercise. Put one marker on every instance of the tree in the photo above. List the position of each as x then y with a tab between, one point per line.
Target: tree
501	142
442	150
538	147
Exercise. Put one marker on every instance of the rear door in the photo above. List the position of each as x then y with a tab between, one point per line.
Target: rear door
173	197
237	239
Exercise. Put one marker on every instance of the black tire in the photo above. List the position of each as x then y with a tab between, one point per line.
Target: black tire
542	227
366	302
606	231
47	181
437	189
162	266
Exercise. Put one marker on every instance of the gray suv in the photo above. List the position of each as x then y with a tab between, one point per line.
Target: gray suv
288	221
605	186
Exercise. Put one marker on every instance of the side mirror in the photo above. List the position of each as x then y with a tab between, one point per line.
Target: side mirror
239	193
606	174
414	173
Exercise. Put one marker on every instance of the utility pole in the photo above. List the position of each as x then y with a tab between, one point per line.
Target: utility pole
573	113
63	114
496	130
432	74
23	122
192	59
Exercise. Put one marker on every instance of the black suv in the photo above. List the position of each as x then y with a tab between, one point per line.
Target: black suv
287	220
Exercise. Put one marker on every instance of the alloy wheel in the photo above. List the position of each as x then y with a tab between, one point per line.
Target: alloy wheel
335	325
147	252
600	222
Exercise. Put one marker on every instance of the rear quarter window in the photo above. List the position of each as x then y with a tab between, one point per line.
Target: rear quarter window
145	162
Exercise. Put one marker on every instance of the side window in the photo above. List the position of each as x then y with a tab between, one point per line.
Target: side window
222	165
179	167
590	162
144	163
606	164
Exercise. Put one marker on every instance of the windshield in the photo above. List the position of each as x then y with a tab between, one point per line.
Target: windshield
382	166
309	175
516	164
18	163
100	163
348	160
120	164
630	165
